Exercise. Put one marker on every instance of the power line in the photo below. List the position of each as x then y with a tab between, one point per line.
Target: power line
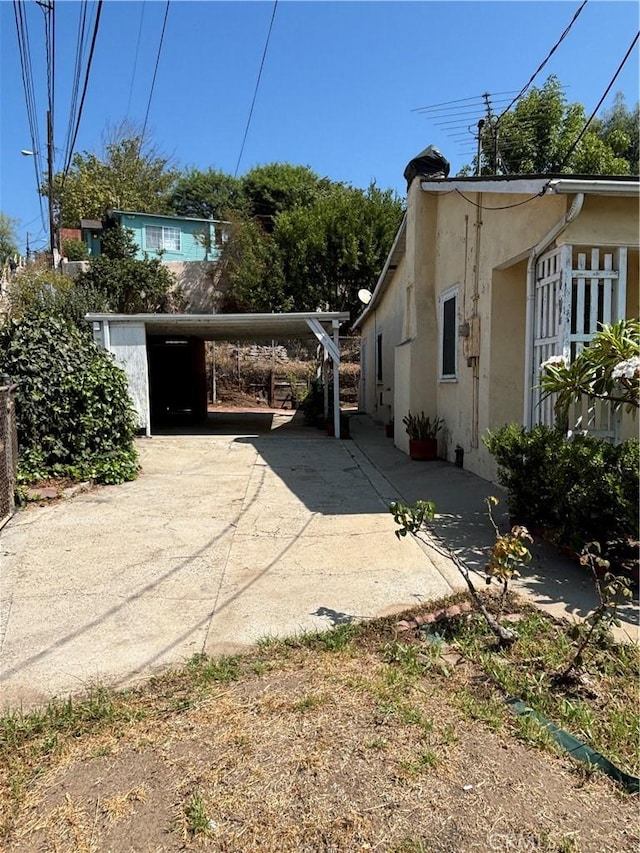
600	102
94	37
546	59
155	72
503	206
135	61
75	86
48	10
255	92
26	70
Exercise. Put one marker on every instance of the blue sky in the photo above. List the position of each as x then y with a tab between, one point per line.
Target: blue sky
339	91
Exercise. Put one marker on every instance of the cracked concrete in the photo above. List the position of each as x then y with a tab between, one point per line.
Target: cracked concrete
223	539
227	537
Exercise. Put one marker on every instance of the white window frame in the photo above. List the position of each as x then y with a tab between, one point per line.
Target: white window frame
446	296
165	238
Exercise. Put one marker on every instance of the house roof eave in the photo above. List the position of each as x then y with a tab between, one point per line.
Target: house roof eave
230	327
595	186
168	216
619	185
394	257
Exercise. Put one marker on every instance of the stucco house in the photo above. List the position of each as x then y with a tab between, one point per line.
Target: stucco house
487	278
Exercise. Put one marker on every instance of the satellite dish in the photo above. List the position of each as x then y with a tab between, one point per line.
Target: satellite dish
364	296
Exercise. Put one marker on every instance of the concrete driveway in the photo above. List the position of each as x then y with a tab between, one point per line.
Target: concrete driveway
223	539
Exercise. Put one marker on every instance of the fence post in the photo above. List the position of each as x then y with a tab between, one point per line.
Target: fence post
8	449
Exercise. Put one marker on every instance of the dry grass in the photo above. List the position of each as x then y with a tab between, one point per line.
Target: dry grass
349	741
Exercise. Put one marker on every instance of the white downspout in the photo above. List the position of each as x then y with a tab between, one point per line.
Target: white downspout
537	250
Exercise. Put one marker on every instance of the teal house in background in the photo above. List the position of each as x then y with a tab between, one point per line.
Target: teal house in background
190	248
173	238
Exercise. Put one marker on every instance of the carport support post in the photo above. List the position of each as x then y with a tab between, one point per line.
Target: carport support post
336	379
331	348
325	384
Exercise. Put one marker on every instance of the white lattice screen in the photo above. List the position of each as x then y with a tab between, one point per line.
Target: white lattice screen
576	291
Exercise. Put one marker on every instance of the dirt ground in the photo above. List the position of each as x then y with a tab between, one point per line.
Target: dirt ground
315	751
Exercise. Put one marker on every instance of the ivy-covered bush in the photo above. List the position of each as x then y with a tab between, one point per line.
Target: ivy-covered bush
75	250
74	415
581	489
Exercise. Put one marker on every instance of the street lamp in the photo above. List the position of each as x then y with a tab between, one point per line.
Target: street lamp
27	153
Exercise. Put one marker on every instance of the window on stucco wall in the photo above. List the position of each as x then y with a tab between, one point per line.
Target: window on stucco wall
449	334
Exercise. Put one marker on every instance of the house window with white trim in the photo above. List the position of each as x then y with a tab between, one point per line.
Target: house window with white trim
162	238
449	334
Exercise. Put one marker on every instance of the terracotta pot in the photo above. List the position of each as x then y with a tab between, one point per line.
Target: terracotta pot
423	449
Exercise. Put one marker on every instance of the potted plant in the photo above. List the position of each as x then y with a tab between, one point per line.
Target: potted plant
423	436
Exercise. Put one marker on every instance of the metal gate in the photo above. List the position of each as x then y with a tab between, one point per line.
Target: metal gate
577	290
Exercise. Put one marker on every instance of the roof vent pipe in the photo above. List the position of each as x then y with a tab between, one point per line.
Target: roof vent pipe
429	164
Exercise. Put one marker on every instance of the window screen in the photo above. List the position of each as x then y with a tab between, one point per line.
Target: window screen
163	237
449	311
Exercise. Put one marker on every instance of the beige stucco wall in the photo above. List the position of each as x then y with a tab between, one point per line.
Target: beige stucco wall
388	320
605	221
199	281
506	350
451	242
474	243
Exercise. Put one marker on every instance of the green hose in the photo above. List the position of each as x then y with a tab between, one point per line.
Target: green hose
576	748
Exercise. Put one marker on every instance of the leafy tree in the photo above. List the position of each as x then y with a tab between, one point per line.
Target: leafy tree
619	128
8	239
334	247
38	289
117	281
130	176
73	411
297	241
207	195
537	136
279	187
252	270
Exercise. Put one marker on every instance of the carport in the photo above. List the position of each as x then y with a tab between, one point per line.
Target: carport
172	339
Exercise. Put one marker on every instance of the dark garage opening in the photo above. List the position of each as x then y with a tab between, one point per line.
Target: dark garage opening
177	380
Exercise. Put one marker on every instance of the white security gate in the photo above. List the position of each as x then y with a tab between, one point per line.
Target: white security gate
576	292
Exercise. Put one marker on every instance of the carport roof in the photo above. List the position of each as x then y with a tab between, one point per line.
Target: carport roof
230	327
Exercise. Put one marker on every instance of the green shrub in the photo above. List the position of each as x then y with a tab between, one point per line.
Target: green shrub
74	414
75	250
581	489
525	470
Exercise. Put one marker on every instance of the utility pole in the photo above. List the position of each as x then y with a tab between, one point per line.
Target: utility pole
52	231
